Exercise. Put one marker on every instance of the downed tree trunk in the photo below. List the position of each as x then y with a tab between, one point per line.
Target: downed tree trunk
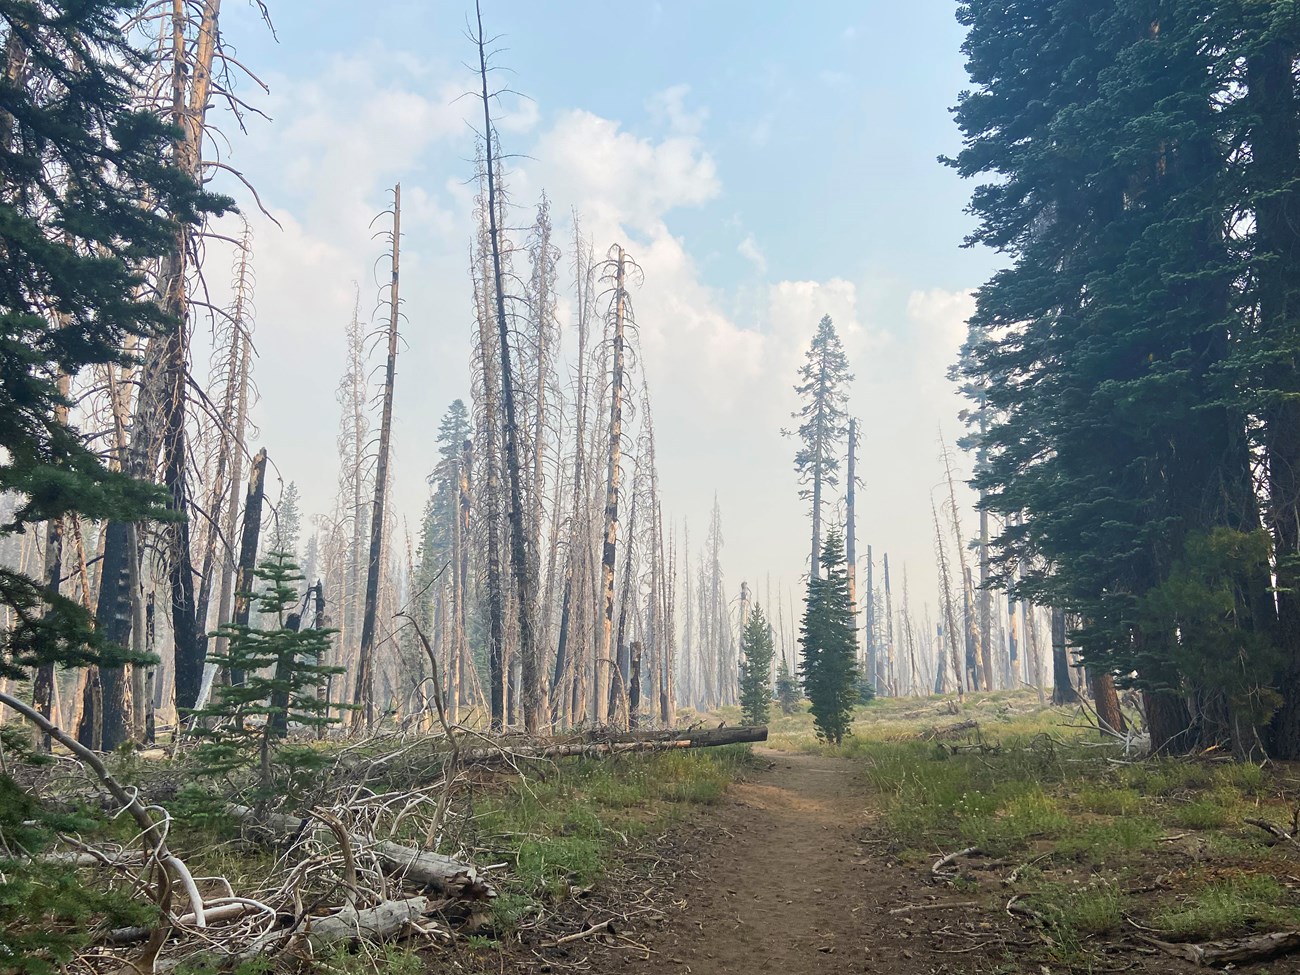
1259	947
949	731
420	868
383	922
614	744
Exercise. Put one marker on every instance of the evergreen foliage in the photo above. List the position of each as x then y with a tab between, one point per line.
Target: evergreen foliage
864	692
823	422
787	688
1137	358
830	648
76	160
756	652
288	523
245	723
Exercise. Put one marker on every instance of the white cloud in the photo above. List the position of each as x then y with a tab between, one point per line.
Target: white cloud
669	106
749	250
614	177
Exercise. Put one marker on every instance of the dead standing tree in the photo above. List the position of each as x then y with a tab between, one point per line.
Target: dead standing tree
191	70
567	675
619	308
977	661
363	695
520	564
233	379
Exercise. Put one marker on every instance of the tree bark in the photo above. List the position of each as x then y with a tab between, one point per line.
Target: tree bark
363	695
612	475
1063	691
521	567
1101	686
1275	153
248	549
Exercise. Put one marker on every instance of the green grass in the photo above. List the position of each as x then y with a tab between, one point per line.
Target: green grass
560	831
1232	906
1090	834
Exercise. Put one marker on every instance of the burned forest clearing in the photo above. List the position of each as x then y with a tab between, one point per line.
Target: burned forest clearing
723	488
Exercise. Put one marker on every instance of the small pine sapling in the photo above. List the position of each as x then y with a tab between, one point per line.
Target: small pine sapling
787	688
245	724
756	652
863	690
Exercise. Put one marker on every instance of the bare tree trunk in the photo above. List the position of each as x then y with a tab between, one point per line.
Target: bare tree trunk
43	690
1063	691
520	564
872	648
192	89
226	596
949	617
612	476
363	695
890	681
978	661
223	496
851	537
248	548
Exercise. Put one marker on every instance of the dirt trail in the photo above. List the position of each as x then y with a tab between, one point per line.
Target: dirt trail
788	879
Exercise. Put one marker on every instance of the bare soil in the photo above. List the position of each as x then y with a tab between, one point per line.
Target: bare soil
787	875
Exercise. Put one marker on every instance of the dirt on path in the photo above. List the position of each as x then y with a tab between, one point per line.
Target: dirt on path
788	876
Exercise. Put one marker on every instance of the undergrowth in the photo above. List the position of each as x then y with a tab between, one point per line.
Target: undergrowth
560	828
1094	845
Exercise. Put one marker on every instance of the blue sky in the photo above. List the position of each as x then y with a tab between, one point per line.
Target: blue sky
766	163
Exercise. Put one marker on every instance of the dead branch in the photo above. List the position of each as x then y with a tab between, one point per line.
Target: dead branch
420	868
1277	832
951	858
1260	947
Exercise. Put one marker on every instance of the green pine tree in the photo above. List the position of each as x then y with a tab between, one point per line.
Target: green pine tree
787	688
823	424
756	652
1116	438
288	523
830	647
244	725
76	160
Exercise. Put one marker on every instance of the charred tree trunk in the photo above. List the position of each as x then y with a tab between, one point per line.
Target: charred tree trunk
521	567
192	93
363	696
1063	691
612	476
248	549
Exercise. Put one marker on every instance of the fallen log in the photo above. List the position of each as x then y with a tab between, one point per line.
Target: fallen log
1236	951
939	733
385	921
599	745
421	868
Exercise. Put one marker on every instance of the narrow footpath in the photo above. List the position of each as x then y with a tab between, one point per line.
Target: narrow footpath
790	879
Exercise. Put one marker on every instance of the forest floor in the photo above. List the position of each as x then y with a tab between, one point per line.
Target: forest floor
994	836
789	876
823	860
